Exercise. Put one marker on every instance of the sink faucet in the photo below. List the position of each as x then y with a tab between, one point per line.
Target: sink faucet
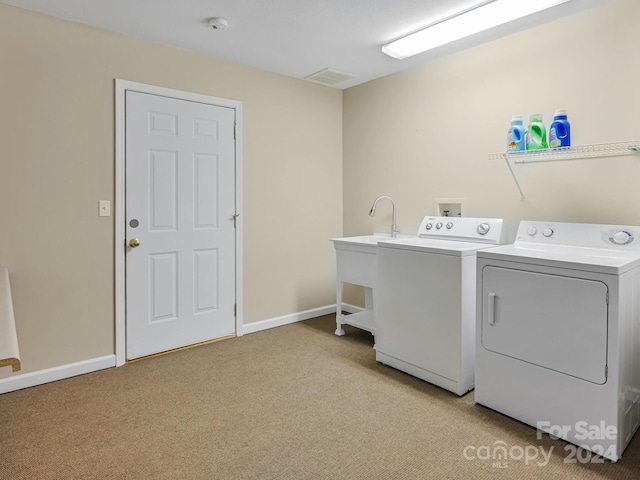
394	227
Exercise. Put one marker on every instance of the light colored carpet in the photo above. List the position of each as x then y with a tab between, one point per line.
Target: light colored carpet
295	402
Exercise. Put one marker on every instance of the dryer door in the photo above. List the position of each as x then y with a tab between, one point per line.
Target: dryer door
555	322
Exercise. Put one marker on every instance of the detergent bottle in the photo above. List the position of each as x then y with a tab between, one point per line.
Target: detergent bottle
516	134
536	135
560	130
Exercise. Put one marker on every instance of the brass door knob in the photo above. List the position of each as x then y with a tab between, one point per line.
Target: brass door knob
134	243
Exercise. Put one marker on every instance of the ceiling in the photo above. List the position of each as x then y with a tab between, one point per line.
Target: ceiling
290	37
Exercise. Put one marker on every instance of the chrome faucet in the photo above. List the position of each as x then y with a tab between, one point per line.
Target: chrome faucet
394	227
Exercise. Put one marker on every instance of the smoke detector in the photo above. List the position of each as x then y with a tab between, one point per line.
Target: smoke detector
218	23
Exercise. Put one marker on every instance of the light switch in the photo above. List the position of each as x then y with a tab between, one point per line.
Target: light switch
104	209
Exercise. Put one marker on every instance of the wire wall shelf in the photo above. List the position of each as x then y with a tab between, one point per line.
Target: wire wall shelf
565	153
570	153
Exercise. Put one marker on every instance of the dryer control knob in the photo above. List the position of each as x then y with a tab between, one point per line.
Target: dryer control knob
439	225
621	238
429	226
483	228
449	225
532	231
547	232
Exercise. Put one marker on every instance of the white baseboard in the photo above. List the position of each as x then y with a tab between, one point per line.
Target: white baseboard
296	317
18	382
32	379
287	319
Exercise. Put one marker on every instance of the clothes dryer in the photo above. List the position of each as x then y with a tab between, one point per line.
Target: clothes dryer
558	332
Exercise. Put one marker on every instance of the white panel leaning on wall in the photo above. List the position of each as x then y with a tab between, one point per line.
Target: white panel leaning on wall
9	353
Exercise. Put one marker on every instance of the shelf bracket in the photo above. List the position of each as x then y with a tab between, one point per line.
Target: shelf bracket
616	149
506	160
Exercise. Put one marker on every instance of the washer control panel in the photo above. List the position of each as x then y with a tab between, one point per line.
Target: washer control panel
579	234
622	237
465	229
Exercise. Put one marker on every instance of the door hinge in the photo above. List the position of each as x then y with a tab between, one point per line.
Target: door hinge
235	309
607	297
234	130
606	372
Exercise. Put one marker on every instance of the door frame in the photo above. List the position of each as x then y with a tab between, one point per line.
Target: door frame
121	87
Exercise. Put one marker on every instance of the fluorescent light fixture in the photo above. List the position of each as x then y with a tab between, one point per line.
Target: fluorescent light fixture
482	18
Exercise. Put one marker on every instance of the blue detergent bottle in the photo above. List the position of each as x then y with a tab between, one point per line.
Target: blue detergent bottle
560	130
516	135
536	135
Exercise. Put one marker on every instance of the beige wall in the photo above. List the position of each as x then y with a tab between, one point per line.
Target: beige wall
416	136
426	133
57	161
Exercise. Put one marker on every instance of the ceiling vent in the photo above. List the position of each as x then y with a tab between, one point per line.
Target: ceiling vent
329	76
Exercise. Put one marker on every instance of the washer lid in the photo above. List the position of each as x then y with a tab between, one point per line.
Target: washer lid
600	260
427	245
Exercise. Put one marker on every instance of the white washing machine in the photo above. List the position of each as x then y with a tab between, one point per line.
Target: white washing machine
558	344
424	307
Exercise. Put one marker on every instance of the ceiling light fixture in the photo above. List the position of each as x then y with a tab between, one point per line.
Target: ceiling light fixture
484	17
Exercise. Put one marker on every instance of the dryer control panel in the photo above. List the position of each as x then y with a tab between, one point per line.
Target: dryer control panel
464	229
579	234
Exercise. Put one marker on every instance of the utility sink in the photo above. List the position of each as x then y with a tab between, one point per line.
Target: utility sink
357	259
363	239
357	263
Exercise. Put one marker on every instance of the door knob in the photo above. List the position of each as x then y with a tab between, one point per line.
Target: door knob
134	243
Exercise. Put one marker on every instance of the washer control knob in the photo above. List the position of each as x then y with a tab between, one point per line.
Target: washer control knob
449	225
483	228
429	226
621	238
532	231
547	232
439	225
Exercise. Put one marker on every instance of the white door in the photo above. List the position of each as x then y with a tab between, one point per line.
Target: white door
180	205
555	322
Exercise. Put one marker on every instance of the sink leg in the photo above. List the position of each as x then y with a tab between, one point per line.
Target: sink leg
339	316
339	329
